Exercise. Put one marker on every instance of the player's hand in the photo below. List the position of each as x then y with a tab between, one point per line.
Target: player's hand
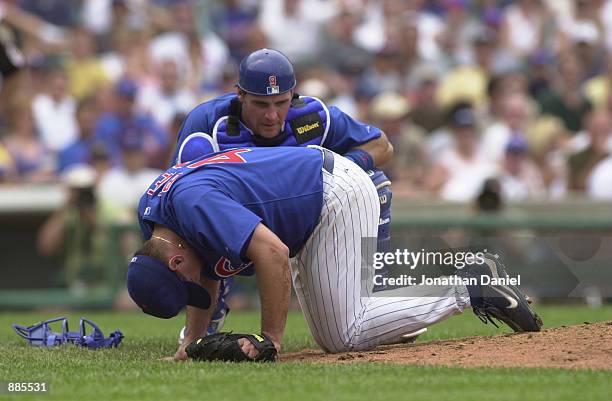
179	356
249	349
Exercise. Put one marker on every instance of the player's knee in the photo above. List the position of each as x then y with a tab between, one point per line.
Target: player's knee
336	346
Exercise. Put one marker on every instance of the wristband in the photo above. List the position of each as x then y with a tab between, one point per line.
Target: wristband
361	158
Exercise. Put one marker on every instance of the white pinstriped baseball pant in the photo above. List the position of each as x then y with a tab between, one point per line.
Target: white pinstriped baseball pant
327	273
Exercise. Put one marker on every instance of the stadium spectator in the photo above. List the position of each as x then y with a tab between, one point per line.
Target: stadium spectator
339	50
597	89
513	123
581	164
469	80
586	42
390	112
7	168
461	169
34	163
54	111
426	111
125	120
120	189
167	96
74	233
295	22
234	24
201	56
566	99
522	26
599	183
56	12
519	177
85	69
547	138
83	149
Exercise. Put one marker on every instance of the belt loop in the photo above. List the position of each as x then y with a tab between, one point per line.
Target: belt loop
328	160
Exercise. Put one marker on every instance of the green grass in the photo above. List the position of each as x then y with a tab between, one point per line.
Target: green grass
134	372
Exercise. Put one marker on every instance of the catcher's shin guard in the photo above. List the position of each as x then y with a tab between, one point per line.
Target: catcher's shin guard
383	187
218	318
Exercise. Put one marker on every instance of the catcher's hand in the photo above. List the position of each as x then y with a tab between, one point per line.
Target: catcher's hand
225	347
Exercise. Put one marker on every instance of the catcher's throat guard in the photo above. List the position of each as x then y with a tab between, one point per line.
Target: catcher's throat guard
41	335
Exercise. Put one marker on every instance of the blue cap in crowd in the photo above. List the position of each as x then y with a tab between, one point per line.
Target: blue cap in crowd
517	145
131	140
463	117
126	88
160	292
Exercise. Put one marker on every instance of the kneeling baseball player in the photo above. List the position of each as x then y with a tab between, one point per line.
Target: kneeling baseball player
285	214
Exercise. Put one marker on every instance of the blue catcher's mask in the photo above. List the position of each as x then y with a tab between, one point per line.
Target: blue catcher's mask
41	335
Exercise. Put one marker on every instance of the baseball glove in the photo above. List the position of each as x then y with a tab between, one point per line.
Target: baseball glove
225	347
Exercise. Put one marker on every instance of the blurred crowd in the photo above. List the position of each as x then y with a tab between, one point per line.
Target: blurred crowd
514	95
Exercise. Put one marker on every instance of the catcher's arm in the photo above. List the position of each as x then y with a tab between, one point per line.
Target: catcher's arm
380	149
198	319
271	258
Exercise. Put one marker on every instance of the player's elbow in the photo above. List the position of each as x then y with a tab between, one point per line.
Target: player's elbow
265	247
384	150
279	251
388	154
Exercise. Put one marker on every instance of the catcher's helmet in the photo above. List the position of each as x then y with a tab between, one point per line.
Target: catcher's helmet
266	72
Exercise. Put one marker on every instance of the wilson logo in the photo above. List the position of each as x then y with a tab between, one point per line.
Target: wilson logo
307	127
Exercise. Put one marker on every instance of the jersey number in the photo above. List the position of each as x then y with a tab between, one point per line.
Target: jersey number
231	156
167	179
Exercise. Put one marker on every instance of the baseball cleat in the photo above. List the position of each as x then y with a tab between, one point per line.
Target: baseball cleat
504	302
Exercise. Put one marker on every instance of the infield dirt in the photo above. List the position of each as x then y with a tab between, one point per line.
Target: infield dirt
585	346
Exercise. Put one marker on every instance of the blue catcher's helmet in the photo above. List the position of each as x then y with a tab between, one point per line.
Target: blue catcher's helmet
266	72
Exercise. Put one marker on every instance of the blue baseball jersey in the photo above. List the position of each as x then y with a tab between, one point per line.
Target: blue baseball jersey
215	202
309	122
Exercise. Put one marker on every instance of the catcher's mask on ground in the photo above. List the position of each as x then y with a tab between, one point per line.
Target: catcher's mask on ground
160	292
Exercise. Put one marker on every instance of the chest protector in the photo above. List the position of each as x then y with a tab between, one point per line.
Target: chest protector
307	123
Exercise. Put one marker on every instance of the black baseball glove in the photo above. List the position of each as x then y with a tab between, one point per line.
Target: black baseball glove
225	347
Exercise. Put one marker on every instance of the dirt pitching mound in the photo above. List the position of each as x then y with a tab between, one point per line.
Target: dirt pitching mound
586	346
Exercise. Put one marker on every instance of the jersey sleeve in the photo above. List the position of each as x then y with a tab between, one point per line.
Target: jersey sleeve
346	133
214	220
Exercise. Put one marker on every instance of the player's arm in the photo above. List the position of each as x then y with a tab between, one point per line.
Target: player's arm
380	149
198	319
271	259
365	144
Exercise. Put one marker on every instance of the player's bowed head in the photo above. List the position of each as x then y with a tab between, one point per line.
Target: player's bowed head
163	276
